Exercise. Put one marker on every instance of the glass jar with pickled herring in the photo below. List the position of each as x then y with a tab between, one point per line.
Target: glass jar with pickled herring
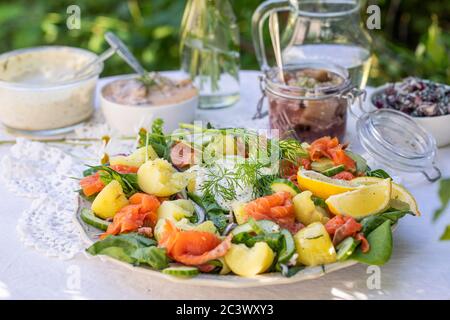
312	102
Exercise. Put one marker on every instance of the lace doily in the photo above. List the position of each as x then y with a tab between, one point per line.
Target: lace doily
41	172
46	173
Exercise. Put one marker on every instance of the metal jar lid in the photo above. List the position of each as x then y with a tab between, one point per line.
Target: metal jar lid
275	87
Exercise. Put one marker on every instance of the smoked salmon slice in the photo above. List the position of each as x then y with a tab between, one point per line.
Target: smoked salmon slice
141	212
91	184
331	149
122	168
192	248
277	207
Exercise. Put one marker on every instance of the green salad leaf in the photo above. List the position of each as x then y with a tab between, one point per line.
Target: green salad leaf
128	181
273	240
319	202
380	241
379	173
132	248
156	139
153	256
370	223
213	211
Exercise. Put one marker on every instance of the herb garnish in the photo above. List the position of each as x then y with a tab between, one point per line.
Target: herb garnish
128	181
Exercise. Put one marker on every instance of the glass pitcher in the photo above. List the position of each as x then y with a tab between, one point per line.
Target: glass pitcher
318	31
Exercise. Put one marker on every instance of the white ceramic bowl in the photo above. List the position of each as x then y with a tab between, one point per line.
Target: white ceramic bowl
438	126
128	119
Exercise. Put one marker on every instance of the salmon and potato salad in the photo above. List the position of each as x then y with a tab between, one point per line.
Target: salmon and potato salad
237	201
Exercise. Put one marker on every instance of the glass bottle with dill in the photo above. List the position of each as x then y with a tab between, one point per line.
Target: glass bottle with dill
209	49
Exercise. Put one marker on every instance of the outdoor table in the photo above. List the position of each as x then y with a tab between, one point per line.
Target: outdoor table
419	267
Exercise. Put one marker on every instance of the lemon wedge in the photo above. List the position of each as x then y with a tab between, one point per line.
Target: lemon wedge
398	192
365	201
322	186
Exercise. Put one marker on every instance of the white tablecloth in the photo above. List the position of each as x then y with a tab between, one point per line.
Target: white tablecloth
418	269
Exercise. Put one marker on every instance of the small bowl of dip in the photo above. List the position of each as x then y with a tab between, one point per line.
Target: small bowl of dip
39	92
131	103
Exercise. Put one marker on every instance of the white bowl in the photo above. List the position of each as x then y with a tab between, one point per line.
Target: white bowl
438	126
128	119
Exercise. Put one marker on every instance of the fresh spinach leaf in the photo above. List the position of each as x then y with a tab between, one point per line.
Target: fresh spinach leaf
213	211
372	222
379	173
153	256
380	241
131	248
319	202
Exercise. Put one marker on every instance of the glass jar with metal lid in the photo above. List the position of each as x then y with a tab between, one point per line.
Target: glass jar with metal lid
311	103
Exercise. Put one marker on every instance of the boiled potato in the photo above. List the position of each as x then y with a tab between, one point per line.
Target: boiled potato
184	224
207	226
239	213
176	209
314	246
136	159
225	268
305	210
249	262
110	200
158	177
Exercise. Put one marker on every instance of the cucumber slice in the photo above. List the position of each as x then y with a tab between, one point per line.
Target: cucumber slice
346	248
88	216
322	165
246	227
284	185
181	271
258	227
255	226
334	170
263	226
288	248
268	226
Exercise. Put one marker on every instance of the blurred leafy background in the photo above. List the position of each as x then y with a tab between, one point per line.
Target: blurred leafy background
414	39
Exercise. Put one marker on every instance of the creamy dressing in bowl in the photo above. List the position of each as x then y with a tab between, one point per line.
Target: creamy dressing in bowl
38	91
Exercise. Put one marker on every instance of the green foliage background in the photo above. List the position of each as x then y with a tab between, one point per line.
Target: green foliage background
414	39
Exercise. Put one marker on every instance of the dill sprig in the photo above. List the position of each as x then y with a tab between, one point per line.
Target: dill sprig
292	150
252	174
221	181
